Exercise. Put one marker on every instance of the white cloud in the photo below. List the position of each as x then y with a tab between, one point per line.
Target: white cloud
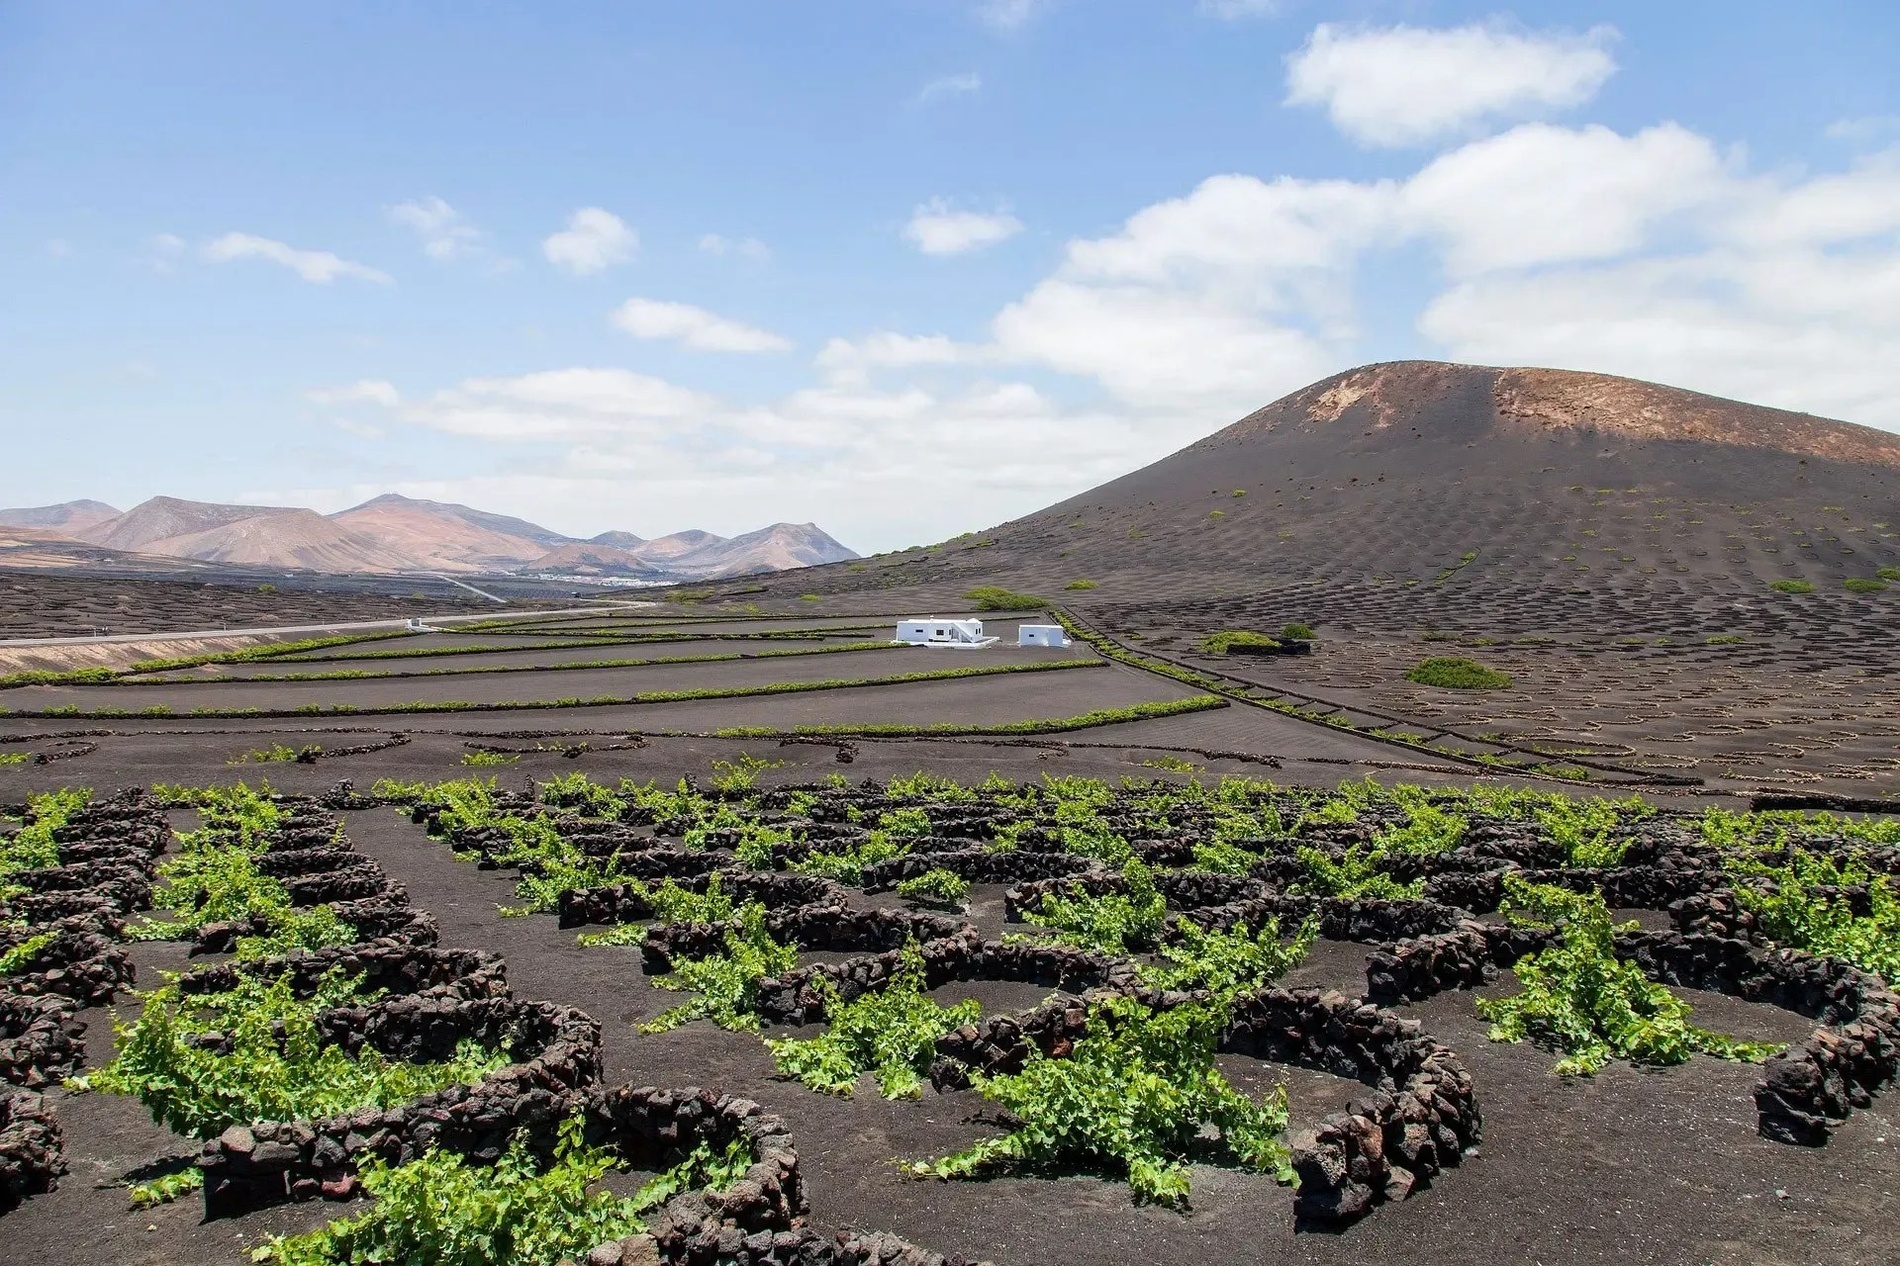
1010	15
365	391
697	328
561	404
361	430
1232	10
594	239
1860	203
320	267
1650	254
746	248
851	360
1405	85
876	468
1787	294
952	86
935	229
444	233
1865	130
58	248
1540	194
1217	301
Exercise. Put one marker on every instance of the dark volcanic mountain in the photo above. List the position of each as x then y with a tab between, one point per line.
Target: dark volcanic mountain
1399	474
1404	469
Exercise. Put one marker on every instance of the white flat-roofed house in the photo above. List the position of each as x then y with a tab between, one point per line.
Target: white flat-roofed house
1041	635
964	635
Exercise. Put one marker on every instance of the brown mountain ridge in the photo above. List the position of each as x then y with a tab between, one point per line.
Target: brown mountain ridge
393	533
1396	473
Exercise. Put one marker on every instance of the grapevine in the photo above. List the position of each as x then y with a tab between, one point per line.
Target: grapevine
1138	1096
890	1033
1581	1000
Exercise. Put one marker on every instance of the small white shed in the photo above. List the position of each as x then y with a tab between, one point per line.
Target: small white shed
956	634
1041	635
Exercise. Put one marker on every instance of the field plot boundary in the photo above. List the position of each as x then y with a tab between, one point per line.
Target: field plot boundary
532	705
1298	705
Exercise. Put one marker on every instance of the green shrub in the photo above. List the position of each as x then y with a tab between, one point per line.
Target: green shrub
1858	584
1139	1095
727	984
275	753
1080	584
1888	573
1454	672
996	598
1229	963
1173	764
1225	641
935	887
1427	831
1808	908
21	958
890	1033
1297	633
846	861
1113	924
671	903
1585	826
1355	875
1793	586
448	1210
166	1188
278	1068
489	758
33	846
1581	1000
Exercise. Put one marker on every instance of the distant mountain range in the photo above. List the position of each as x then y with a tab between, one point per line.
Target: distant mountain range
393	534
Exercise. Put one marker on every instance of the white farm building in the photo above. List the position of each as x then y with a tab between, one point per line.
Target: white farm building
1041	635
964	635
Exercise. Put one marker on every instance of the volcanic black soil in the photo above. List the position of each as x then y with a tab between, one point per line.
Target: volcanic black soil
1630	1166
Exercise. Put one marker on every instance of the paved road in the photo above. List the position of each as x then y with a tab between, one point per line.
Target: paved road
359	626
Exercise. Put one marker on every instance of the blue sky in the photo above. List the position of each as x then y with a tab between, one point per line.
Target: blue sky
902	267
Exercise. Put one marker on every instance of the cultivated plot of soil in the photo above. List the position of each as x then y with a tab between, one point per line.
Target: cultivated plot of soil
34	604
1653	1167
1658	1167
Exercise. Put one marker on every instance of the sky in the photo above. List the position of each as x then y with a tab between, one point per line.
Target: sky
904	268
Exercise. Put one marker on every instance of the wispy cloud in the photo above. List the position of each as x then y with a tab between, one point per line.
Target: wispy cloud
936	229
1010	15
361	430
746	248
320	267
364	391
1866	130
594	239
962	85
1232	10
444	232
696	328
